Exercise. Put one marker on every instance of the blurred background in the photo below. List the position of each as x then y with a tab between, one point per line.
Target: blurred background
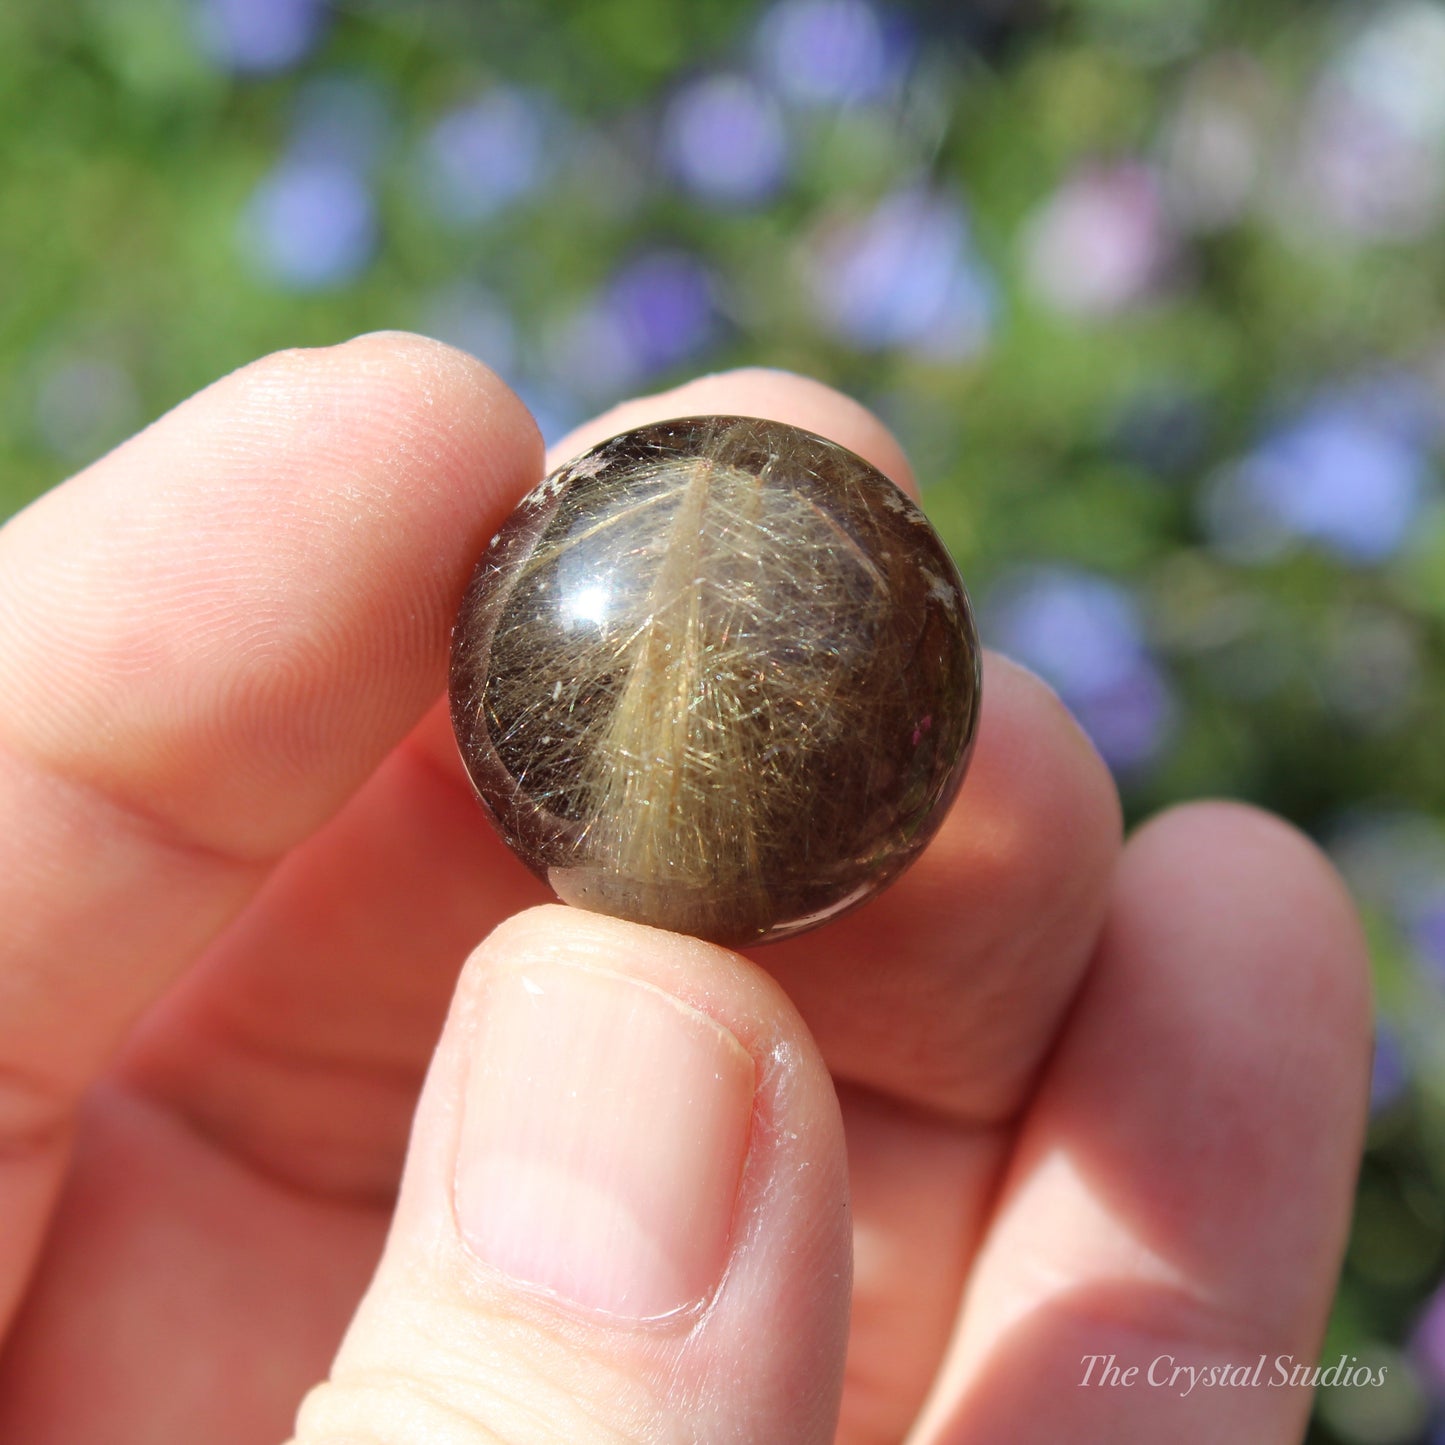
1152	290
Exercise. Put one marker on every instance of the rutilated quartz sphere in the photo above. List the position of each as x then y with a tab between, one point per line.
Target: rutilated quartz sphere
717	675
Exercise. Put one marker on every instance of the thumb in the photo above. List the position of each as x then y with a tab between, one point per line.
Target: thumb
624	1215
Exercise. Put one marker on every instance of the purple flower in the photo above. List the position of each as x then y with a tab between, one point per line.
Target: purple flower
904	275
311	225
1099	245
1394	66
1080	632
589	355
723	138
662	303
1425	926
1427	1344
487	155
1336	474
830	52
1084	636
1401	403
1389	1070
1130	721
259	36
656	312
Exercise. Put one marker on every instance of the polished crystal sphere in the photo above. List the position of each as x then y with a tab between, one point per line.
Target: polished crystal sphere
717	675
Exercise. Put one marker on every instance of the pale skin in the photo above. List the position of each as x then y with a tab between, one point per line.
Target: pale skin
1085	1096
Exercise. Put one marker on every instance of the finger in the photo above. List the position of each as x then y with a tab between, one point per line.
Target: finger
195	1298
207	640
624	1214
755	391
945	995
300	1040
920	1188
1181	1189
947	990
299	1024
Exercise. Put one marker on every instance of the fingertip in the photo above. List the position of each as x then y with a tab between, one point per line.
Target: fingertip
717	980
1030	725
1182	1184
547	929
406	375
1276	878
1241	834
255	592
425	356
774	395
627	1175
1039	812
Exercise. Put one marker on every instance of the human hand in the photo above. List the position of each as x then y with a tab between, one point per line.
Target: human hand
1095	1101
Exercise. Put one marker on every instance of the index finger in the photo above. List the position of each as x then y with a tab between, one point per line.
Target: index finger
207	641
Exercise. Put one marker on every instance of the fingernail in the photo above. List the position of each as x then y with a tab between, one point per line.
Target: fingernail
603	1139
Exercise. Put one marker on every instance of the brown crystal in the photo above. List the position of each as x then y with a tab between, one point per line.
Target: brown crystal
717	675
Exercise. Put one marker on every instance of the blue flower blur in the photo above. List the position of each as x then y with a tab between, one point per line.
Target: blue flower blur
657	311
662	303
1336	474
1084	635
311	225
1389	1070
904	275
258	36
487	155
725	141
830	52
